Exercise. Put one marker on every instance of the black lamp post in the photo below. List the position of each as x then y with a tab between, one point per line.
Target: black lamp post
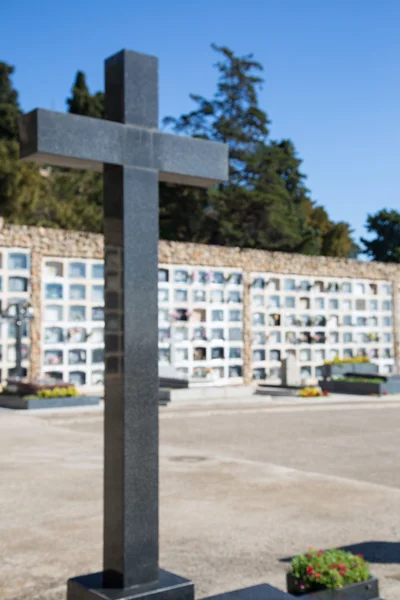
23	313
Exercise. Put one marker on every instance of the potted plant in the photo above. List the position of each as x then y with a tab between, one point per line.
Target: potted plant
331	575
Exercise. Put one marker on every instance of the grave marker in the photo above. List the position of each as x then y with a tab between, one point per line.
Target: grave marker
290	372
134	156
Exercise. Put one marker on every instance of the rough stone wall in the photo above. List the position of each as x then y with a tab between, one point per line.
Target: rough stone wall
54	242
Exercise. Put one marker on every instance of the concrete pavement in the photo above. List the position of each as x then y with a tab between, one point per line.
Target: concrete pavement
242	488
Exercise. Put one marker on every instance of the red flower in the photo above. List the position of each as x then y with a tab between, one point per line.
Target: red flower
310	571
360	555
318	575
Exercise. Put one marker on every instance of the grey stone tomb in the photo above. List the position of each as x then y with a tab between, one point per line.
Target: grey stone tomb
134	157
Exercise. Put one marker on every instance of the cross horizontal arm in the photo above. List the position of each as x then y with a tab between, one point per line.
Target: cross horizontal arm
75	141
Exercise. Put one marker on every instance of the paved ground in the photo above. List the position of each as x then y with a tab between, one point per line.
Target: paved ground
242	488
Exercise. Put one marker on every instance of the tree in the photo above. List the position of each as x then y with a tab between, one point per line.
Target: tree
337	241
23	190
33	196
79	197
262	213
253	209
9	107
80	192
233	115
82	102
385	246
265	204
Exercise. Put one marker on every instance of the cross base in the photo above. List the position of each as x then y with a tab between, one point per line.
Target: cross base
168	587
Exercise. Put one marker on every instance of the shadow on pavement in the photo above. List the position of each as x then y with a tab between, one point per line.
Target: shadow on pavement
373	552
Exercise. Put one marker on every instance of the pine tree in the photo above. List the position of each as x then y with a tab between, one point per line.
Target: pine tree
266	203
233	115
9	107
261	206
80	193
82	102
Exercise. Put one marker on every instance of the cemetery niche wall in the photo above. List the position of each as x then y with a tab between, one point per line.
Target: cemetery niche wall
73	320
200	319
201	322
318	319
368	317
15	285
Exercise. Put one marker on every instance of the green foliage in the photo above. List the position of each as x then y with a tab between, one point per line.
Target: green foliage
30	195
23	191
65	199
57	392
385	246
9	107
232	116
361	379
337	241
329	569
79	196
80	193
265	204
82	102
185	214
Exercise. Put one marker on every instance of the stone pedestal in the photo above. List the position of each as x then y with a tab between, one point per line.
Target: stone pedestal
169	377
290	372
168	587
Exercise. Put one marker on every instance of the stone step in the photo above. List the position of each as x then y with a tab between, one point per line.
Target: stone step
207	393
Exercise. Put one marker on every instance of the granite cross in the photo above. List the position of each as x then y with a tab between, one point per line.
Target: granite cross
134	156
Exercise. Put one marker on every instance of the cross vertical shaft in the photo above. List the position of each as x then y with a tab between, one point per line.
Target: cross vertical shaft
131	337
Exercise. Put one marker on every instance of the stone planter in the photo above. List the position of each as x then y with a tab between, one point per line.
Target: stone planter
21	403
347	387
366	590
390	386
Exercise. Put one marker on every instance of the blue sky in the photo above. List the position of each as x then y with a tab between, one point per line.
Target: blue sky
332	71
